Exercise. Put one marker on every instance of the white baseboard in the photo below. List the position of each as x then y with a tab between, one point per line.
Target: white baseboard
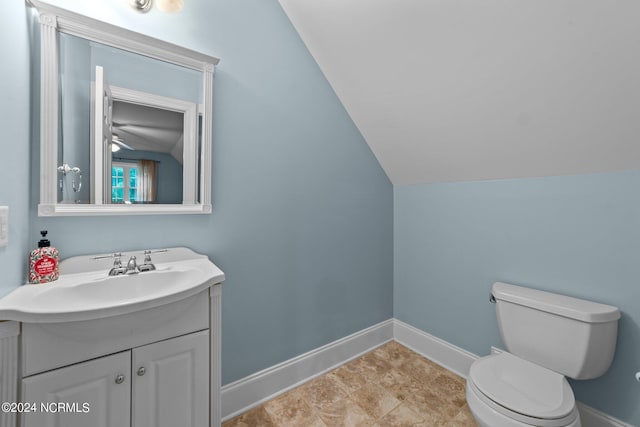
255	389
459	361
433	348
244	394
590	417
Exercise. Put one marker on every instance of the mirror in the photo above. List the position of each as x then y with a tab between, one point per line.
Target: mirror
146	153
125	120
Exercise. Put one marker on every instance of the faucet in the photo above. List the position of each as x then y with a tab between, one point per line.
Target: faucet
147	265
132	266
117	266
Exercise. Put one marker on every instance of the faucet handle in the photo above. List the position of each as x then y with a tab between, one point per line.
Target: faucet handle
117	265
147	265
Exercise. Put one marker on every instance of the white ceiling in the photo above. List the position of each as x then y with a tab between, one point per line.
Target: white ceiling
147	128
456	90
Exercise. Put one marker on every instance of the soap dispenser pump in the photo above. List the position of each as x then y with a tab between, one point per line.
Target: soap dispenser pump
43	262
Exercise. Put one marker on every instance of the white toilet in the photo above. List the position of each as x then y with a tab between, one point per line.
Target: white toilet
548	337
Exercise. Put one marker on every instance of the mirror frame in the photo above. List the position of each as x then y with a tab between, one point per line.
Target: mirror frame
54	20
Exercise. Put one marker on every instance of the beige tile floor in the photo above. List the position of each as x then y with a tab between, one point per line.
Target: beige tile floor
390	386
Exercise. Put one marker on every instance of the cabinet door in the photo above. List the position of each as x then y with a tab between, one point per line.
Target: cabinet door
171	386
95	393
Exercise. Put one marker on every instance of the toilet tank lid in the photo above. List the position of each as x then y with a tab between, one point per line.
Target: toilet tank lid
573	308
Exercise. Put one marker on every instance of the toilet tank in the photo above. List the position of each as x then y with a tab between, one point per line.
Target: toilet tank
574	337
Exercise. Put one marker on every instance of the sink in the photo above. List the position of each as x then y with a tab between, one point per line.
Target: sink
84	291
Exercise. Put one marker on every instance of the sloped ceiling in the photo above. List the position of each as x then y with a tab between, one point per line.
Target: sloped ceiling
147	128
456	90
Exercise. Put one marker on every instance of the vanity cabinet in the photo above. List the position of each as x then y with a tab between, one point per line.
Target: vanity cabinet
136	350
156	385
152	368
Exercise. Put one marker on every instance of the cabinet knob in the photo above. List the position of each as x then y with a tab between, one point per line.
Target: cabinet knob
119	379
141	371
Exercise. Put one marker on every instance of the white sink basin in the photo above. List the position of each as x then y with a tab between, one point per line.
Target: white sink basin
85	291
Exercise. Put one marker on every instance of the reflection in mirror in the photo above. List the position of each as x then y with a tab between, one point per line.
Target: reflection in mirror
134	137
122	156
146	154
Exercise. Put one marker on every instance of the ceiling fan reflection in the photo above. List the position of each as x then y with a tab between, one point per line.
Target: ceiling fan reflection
117	143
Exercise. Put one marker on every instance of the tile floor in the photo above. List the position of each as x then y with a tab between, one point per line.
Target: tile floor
390	386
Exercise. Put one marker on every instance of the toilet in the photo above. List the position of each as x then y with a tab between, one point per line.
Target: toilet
548	337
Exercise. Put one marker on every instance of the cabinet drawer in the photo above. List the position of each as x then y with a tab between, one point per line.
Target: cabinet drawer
50	346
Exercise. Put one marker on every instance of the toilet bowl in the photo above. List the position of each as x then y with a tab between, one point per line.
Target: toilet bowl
506	391
548	337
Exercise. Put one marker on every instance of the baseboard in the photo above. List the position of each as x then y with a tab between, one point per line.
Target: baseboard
433	348
255	389
244	394
459	361
590	417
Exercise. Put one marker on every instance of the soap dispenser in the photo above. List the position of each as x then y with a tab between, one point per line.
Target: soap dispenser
43	262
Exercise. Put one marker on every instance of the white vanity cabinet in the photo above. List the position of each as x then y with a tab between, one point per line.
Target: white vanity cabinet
99	350
156	385
152	368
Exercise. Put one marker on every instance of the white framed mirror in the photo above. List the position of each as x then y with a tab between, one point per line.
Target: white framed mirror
125	120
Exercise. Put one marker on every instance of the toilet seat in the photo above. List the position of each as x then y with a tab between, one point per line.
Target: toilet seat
523	391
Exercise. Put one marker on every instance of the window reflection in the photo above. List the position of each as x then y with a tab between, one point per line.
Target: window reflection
124	183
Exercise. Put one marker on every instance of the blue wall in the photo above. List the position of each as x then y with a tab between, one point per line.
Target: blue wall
303	220
131	71
75	84
15	176
574	235
302	212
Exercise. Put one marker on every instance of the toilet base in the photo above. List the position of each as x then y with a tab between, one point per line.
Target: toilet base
488	417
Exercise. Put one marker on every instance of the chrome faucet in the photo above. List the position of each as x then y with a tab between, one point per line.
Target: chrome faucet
132	266
117	265
147	265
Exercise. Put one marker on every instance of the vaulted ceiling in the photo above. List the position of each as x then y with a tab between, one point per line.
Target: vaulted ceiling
455	90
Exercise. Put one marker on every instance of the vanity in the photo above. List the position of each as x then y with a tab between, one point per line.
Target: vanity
137	349
125	128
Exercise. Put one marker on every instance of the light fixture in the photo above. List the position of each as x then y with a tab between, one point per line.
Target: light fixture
170	6
141	5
